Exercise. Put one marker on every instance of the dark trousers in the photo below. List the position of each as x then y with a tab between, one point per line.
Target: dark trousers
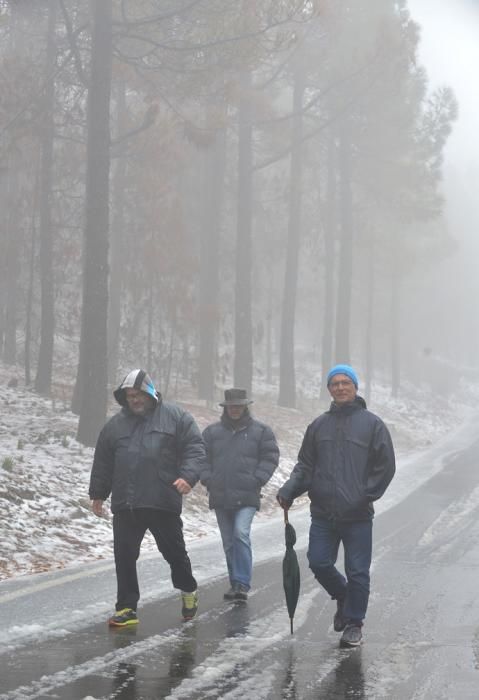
129	528
324	539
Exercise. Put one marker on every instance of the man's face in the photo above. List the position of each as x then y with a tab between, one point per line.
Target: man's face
235	412
342	389
138	401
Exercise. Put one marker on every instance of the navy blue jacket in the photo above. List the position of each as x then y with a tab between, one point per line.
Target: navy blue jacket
238	463
345	463
137	458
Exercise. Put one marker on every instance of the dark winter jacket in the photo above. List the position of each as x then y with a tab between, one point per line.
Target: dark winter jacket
238	462
137	458
345	463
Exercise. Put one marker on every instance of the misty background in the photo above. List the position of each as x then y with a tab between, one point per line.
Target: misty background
237	193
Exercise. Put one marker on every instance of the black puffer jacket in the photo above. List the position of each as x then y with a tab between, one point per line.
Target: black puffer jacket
238	462
345	463
137	458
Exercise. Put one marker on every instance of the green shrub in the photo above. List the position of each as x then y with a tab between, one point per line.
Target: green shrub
7	464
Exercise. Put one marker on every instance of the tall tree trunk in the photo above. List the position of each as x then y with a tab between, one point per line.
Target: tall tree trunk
31	283
3	258
117	244
13	234
330	266
287	377
395	334
93	367
12	255
243	361
269	332
171	350
149	329
343	313
368	344
215	160
43	379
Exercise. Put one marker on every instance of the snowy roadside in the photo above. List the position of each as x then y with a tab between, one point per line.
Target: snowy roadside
45	519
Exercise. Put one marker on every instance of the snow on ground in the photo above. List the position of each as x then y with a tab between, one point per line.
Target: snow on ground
45	518
65	595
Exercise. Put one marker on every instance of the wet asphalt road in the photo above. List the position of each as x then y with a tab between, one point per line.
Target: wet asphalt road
421	638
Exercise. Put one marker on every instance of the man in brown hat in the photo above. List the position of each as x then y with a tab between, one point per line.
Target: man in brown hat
241	456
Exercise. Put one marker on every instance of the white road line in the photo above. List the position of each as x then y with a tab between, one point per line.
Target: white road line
46	684
52	583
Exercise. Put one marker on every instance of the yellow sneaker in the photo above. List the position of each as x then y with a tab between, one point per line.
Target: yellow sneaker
123	618
189	605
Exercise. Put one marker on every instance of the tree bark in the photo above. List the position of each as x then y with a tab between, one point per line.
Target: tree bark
329	267
93	369
149	328
31	284
43	379
395	335
117	234
287	377
368	341
12	272
343	312
243	361
215	158
269	332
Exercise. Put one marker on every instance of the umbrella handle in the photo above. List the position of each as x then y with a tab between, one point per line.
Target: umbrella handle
286	516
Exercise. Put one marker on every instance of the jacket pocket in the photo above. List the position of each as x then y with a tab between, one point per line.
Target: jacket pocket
161	448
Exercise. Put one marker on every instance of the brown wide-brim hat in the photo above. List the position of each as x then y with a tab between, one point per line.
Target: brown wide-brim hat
236	397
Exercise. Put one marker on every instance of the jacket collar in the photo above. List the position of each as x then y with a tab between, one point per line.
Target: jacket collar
348	408
236	425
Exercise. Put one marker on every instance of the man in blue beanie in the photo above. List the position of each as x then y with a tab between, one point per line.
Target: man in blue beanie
345	463
343	369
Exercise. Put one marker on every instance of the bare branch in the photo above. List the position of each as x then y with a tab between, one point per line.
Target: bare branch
73	44
324	125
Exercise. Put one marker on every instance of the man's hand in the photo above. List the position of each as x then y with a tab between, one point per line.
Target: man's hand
182	486
97	507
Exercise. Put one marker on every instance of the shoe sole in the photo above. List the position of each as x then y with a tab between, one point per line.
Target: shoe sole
129	623
349	645
187	618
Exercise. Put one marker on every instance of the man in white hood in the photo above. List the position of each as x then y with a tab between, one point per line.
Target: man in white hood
147	457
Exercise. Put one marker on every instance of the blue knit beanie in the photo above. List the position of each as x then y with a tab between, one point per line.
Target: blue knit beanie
343	369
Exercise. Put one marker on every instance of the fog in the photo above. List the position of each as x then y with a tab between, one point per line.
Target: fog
450	53
237	194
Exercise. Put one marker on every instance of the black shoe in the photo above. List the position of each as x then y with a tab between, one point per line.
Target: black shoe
230	594
339	623
241	592
351	636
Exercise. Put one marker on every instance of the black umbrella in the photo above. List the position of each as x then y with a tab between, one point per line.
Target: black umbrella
291	578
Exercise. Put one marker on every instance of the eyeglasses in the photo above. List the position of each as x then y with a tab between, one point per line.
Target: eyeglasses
339	383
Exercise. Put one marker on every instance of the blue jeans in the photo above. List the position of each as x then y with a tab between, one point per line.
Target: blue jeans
324	539
235	527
